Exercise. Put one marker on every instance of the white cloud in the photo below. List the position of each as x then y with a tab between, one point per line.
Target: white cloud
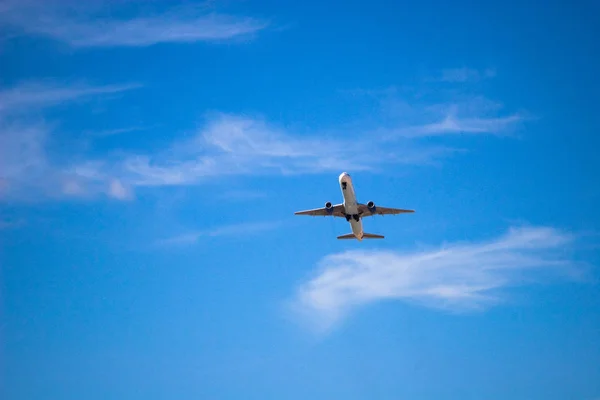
83	25
456	277
473	115
226	144
452	124
21	148
414	113
115	132
49	93
243	229
118	191
465	74
235	145
22	154
27	170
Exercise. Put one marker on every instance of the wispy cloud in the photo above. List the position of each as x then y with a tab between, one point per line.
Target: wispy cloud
456	277
22	154
243	229
26	167
452	124
239	145
228	144
117	190
49	93
82	26
465	74
466	115
116	131
406	112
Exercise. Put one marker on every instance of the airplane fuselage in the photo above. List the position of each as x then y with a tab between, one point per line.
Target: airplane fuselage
351	205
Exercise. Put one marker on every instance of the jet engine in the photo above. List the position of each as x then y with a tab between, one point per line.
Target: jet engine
329	207
371	206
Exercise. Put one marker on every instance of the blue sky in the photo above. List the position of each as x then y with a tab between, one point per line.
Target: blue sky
152	155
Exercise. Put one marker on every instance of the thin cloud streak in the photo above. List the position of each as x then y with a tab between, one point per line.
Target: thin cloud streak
86	28
457	277
243	229
459	114
235	145
119	191
465	74
49	93
26	168
452	124
22	154
148	31
117	131
226	145
475	115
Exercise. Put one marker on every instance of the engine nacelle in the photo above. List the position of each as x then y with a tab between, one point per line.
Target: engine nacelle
371	206
329	207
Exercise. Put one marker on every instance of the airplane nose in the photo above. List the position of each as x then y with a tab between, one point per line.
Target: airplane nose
343	175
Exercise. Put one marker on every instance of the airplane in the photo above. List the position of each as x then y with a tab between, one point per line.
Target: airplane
352	210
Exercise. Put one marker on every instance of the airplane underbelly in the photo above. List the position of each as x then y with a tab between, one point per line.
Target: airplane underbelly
356	227
351	208
350	203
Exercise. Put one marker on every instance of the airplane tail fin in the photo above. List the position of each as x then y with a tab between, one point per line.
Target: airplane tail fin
365	236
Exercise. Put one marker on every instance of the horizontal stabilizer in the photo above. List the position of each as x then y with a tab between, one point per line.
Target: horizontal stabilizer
372	236
365	236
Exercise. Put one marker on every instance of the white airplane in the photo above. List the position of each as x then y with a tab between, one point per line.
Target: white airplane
352	211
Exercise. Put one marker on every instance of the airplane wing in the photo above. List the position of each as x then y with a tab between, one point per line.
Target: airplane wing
364	211
336	211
